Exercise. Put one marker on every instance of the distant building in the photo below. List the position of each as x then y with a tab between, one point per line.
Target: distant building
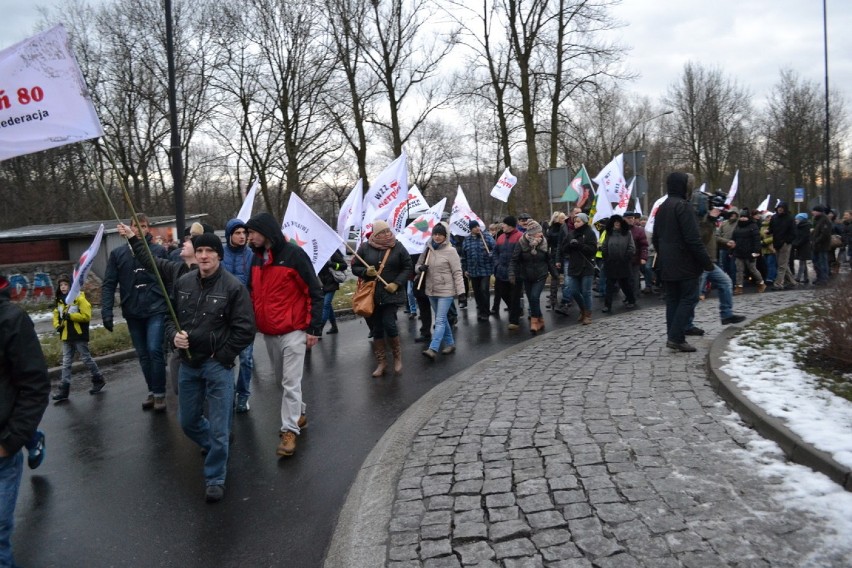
32	257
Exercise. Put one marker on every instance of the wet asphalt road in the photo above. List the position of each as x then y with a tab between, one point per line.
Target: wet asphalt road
124	487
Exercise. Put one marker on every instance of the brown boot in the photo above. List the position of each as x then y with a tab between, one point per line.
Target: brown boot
738	290
381	357
587	317
396	349
536	324
581	316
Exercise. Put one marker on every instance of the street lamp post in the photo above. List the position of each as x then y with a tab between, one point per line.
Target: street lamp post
827	139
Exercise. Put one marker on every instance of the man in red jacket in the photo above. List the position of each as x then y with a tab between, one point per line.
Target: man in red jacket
287	298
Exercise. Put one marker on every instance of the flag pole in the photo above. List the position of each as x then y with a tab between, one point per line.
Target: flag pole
425	263
364	262
143	239
481	236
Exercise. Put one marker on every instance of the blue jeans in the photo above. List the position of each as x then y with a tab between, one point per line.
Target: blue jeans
328	308
723	284
443	329
581	290
681	298
533	290
246	367
81	347
771	267
821	267
412	301
10	480
215	384
147	337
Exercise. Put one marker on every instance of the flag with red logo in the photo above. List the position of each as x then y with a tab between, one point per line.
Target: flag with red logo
83	267
304	228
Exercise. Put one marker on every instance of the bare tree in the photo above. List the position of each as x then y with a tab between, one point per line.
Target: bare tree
710	118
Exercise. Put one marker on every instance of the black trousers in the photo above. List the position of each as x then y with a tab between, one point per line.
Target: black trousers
481	294
511	294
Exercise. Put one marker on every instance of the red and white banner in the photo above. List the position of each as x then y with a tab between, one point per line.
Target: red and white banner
624	200
44	101
461	215
649	226
504	185
83	267
416	235
389	189
304	228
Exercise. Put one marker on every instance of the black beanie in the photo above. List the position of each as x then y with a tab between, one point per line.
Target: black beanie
510	220
209	240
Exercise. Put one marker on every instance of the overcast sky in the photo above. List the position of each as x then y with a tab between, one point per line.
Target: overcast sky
750	40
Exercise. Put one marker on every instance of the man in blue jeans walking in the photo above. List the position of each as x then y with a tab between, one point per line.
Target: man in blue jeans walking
216	325
143	306
24	393
237	260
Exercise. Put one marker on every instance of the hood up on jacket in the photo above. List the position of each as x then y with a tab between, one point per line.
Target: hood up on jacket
782	205
230	227
678	184
266	225
610	225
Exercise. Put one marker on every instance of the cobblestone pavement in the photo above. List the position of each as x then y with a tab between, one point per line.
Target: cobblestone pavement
594	446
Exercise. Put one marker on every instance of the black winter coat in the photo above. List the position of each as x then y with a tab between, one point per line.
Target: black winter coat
218	315
578	249
782	227
821	237
141	296
747	239
528	266
681	254
336	262
24	384
398	268
802	249
618	251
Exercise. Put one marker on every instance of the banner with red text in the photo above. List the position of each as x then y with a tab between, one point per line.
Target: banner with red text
44	101
389	189
416	235
504	185
461	215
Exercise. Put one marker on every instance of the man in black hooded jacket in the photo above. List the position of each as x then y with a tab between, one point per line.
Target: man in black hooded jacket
782	227
681	257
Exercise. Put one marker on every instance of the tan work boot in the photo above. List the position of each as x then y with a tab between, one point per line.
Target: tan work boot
287	447
587	317
381	357
536	324
148	403
160	403
396	350
303	422
738	290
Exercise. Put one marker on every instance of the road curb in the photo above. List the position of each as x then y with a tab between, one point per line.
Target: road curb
360	537
110	358
769	427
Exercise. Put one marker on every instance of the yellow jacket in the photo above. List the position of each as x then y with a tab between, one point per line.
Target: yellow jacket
75	325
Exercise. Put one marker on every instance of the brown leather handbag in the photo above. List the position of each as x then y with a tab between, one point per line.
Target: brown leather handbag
363	302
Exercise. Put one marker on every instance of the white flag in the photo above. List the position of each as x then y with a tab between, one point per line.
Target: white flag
764	205
416	235
733	191
351	212
461	215
624	201
46	102
83	266
248	203
649	226
304	228
504	186
368	215
389	188
777	203
416	202
603	208
638	207
611	180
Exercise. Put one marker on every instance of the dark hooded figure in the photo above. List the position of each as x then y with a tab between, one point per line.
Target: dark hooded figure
618	251
681	257
782	227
